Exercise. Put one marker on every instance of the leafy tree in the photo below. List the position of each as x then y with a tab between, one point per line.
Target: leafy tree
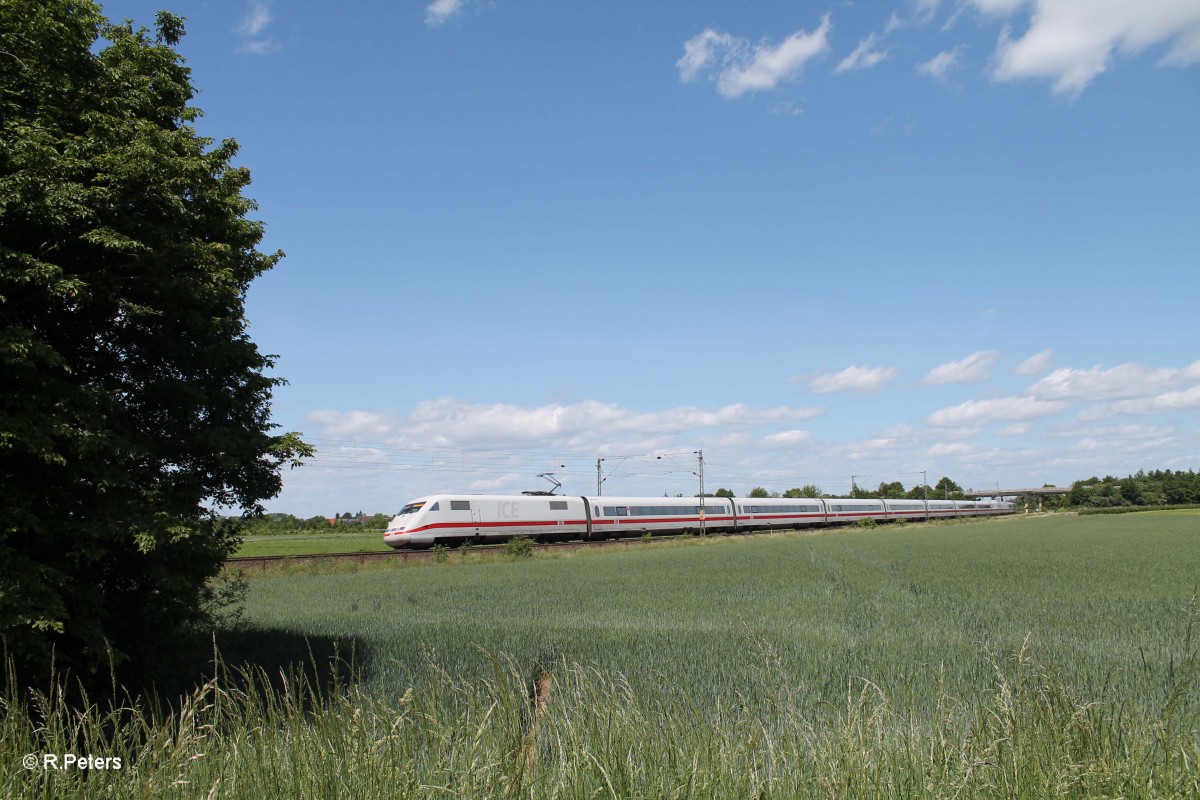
134	399
946	489
724	493
1160	487
807	490
919	492
893	490
758	491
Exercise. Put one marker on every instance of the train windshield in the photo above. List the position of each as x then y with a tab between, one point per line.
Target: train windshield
410	508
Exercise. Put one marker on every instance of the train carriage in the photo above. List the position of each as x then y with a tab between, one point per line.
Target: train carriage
906	509
613	515
765	513
854	509
939	509
457	518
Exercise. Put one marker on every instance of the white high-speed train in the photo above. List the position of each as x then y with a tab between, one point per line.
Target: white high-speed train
453	518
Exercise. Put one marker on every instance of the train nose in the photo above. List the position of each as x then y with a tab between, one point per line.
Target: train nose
393	533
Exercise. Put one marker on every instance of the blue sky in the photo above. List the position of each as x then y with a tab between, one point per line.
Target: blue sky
814	240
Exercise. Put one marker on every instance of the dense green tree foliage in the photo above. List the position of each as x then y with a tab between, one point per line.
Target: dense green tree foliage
273	524
1158	488
807	490
134	399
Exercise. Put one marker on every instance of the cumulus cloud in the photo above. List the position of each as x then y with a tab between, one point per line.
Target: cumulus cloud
1160	404
1001	409
954	449
1124	389
864	56
450	422
1036	364
1071	42
863	380
787	438
940	66
738	67
1120	382
439	11
1116	433
972	369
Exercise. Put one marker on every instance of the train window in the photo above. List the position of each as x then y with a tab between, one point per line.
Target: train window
596	510
411	507
460	505
558	505
433	507
616	511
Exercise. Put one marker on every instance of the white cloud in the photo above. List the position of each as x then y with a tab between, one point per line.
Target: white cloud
864	56
256	19
1161	404
739	68
863	380
1115	444
703	49
1036	364
954	449
924	10
259	47
1071	42
1019	429
972	369
1002	409
497	484
940	66
439	11
787	438
1119	433
998	7
1120	382
448	422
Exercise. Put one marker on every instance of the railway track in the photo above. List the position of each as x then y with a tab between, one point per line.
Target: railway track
263	562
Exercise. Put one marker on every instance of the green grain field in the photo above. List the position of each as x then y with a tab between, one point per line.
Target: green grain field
296	544
1024	657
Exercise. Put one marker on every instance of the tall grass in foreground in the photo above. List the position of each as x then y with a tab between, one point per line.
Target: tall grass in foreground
562	730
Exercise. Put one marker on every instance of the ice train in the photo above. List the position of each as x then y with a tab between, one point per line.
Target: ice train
452	519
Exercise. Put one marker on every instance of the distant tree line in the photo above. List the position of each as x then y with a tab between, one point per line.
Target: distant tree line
944	489
271	524
1157	488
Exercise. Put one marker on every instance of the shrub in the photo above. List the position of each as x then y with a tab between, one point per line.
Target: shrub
520	547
